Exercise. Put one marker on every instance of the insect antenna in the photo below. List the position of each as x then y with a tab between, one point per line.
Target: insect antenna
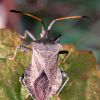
34	17
64	18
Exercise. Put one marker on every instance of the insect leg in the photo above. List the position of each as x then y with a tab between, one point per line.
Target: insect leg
67	79
28	98
29	34
63	73
67	54
22	47
62	52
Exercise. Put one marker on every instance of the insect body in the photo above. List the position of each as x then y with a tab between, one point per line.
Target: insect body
43	77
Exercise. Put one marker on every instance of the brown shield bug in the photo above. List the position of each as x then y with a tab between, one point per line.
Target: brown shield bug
43	77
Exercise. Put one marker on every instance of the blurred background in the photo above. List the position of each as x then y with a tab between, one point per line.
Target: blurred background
83	33
84	83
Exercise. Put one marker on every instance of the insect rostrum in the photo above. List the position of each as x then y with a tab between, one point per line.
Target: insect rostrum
43	77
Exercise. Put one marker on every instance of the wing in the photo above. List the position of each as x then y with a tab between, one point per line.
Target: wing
39	88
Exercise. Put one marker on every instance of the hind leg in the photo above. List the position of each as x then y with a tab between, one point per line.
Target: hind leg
67	79
62	86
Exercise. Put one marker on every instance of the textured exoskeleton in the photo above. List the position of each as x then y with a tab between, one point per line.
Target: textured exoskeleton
43	77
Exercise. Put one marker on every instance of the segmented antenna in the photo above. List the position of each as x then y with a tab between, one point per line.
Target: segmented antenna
71	17
64	18
27	14
32	16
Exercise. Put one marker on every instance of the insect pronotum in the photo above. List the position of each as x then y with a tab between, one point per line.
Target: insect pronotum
43	77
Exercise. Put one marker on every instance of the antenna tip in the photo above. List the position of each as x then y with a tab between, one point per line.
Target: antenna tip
85	17
15	11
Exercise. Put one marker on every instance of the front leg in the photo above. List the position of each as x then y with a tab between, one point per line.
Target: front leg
21	47
29	34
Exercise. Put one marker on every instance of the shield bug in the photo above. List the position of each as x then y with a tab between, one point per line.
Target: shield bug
43	77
